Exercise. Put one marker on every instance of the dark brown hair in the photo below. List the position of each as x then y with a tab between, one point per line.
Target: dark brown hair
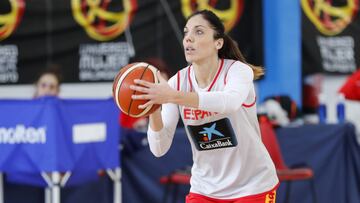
230	49
52	69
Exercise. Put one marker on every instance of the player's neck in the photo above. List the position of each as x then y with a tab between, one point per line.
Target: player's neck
205	71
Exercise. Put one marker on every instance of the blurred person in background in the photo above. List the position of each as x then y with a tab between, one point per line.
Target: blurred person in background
48	82
351	90
215	97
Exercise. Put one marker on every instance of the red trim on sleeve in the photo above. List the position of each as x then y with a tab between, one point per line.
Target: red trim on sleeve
217	75
178	81
249	105
225	78
189	78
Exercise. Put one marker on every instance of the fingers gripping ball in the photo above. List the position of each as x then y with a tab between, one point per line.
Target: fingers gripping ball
122	92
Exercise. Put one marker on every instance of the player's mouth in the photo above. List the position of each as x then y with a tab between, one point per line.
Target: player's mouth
189	50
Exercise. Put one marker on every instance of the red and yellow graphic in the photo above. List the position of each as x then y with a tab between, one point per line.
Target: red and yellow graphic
9	21
271	197
229	16
100	24
330	19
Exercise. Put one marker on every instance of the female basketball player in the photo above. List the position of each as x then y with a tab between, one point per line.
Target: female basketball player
215	98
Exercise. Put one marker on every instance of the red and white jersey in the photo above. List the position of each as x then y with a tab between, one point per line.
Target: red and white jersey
230	160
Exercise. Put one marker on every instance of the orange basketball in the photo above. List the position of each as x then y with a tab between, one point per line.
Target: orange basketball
122	92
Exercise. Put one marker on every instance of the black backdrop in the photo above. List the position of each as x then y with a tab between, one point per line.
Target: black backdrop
330	43
48	33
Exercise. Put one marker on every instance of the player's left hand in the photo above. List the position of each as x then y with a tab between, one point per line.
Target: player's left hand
156	93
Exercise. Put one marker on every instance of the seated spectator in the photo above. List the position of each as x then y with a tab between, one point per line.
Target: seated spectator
48	83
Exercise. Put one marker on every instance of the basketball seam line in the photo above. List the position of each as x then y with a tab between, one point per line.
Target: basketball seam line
123	76
121	85
134	91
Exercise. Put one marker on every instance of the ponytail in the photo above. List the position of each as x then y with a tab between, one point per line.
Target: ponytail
230	50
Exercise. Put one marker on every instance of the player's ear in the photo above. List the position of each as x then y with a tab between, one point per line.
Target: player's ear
219	43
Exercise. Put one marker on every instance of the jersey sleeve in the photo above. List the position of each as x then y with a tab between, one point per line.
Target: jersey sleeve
239	83
160	141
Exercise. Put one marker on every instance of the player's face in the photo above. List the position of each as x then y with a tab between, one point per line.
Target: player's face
47	85
199	43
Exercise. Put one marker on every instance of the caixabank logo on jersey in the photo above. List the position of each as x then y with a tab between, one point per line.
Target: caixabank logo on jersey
213	135
330	17
228	11
10	20
99	23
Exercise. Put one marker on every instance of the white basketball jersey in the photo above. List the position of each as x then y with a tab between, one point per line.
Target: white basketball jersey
230	160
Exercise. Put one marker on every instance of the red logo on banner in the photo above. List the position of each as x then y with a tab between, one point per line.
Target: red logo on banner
328	18
99	23
230	15
9	21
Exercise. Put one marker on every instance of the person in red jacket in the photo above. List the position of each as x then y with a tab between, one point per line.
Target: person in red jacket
351	88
